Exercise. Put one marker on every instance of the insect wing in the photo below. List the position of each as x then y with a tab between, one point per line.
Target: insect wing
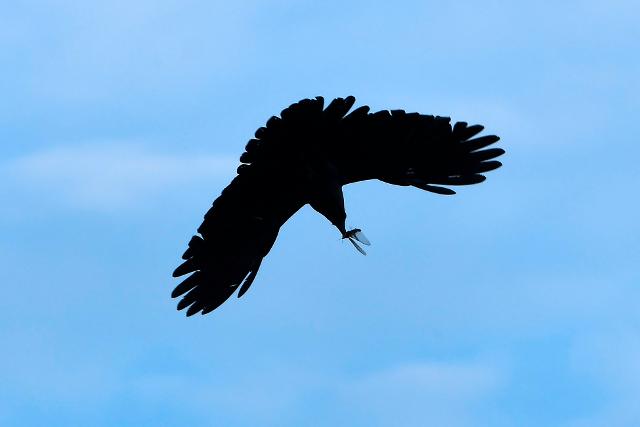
360	237
357	246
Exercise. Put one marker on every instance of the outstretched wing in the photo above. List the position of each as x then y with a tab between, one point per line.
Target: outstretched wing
236	234
243	223
410	149
400	148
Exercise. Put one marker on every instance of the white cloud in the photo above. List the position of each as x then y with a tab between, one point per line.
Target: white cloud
418	393
111	176
441	378
413	394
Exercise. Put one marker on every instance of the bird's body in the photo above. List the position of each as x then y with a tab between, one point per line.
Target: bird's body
305	157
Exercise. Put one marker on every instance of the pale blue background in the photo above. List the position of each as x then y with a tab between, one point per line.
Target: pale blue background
514	303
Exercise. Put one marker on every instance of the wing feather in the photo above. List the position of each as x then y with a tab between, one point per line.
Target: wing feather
411	149
236	234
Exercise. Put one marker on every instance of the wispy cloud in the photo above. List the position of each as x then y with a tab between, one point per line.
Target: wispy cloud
425	392
110	176
610	358
109	49
412	394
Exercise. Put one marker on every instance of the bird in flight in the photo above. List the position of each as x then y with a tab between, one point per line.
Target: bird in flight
305	156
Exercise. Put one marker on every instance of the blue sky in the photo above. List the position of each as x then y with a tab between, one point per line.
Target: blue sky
513	303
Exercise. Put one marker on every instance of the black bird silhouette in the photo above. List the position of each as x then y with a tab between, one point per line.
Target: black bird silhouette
305	156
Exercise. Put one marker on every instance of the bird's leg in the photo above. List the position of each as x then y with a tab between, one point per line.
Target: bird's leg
352	235
327	198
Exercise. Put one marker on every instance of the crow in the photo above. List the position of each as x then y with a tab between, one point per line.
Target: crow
305	156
